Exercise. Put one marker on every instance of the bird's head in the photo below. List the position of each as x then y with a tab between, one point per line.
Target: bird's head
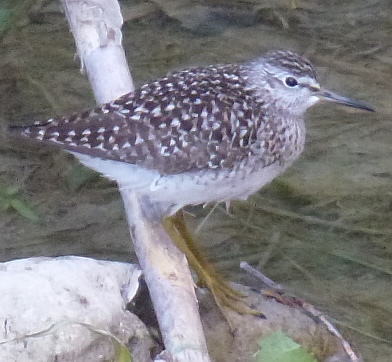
288	82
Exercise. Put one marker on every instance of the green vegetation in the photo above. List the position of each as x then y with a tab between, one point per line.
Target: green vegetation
277	347
5	17
10	199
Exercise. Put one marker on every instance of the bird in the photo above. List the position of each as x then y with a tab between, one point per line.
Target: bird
202	135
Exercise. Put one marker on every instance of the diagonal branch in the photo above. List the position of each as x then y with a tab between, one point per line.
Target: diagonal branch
96	26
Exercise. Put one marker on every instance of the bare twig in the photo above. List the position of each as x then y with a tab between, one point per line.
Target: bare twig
279	294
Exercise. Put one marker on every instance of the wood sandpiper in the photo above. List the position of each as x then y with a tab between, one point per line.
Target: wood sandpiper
202	135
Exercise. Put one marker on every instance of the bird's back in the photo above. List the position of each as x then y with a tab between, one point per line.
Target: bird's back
202	118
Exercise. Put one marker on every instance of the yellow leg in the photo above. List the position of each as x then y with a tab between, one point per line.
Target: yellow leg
224	294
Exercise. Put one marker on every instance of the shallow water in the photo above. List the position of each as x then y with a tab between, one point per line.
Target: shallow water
323	229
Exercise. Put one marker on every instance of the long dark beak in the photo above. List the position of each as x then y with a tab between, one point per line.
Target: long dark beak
333	97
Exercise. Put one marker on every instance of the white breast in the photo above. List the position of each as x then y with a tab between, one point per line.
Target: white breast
175	191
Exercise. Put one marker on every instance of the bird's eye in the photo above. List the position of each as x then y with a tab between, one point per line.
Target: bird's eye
291	82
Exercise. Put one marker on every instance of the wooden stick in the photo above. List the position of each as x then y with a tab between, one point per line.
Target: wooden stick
96	26
169	281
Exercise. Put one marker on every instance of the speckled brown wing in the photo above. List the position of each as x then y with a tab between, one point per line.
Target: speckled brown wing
202	118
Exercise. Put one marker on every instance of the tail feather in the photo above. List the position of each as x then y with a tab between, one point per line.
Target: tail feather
34	131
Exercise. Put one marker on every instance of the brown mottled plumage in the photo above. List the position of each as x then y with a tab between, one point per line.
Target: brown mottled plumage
206	134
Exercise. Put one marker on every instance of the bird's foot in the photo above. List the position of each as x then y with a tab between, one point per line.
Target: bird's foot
225	295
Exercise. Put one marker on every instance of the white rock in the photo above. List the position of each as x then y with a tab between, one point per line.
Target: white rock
57	294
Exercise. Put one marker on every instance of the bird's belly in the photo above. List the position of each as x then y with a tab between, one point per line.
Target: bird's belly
191	188
210	186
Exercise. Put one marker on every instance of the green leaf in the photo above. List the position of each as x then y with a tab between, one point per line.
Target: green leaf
10	199
123	354
23	209
5	16
10	190
277	347
79	176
